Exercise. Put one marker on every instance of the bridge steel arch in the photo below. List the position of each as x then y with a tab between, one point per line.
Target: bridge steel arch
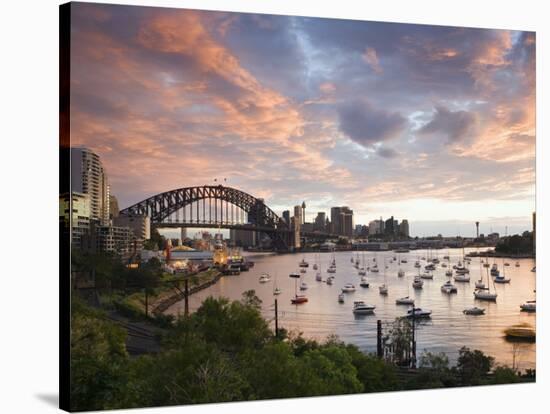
161	206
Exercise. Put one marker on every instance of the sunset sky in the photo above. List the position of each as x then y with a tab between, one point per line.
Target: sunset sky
433	124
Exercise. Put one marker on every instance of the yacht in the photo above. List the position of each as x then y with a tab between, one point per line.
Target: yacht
529	306
297	299
331	270
449	273
330	280
430	266
417	283
485	294
374	269
443	264
474	311
303	263
341	298
461	277
480	284
264	278
404	301
427	275
383	289
403	260
448	287
360	307
364	282
494	270
501	279
348	288
362	272
419	313
506	264
417	264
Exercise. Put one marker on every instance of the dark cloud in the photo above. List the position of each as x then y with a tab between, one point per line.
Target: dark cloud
455	125
367	125
386	152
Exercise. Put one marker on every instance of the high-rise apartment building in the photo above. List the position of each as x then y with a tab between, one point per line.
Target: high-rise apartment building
404	228
320	221
376	227
89	177
74	216
341	221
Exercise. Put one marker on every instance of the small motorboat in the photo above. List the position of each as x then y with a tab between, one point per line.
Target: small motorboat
348	288
303	286
517	264
400	273
362	272
417	283
341	298
404	301
449	273
276	291
494	270
486	264
319	277
480	284
427	276
364	283
462	270
419	313
534	269
506	264
474	311
443	264
303	263
294	275
374	269
446	257
315	267
303	270
361	308
430	266
330	280
383	290
448	287
403	260
298	299
331	270
520	332
462	278
529	306
417	264
264	278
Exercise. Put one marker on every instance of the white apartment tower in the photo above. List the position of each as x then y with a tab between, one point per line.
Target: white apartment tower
89	177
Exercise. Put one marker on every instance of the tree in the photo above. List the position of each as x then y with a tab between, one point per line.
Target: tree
473	366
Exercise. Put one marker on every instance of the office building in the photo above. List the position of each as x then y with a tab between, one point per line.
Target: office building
391	226
404	228
320	221
89	177
286	217
341	221
140	225
244	238
376	227
113	207
74	217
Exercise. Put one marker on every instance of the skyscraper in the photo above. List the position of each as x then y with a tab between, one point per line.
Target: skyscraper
89	177
404	228
341	221
320	221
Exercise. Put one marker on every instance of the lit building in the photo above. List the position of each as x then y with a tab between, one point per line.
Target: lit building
296	225
89	177
74	216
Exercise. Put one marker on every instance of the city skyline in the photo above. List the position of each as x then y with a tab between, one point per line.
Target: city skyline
433	124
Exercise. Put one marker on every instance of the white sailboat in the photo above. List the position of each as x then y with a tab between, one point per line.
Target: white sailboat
384	288
485	293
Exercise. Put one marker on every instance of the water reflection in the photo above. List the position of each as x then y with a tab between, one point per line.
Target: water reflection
448	329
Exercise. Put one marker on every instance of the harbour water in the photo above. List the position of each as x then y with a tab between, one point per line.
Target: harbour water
447	331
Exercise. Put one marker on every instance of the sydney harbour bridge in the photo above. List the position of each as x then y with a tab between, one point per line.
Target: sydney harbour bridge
217	206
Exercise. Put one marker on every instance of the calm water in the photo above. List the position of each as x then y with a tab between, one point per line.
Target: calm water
448	330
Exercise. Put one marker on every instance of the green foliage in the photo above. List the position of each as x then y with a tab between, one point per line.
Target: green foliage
375	374
473	365
505	375
99	360
434	372
156	242
516	244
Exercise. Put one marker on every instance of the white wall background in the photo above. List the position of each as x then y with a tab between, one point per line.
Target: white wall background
29	171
